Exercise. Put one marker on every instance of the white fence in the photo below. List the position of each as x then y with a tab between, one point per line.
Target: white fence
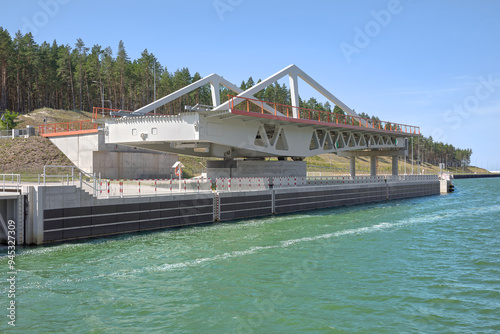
148	187
284	182
242	184
13	133
289	181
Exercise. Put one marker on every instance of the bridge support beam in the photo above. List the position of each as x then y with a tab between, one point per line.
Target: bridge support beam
352	166
373	166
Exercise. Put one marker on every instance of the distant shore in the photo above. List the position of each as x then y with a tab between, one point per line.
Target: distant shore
475	176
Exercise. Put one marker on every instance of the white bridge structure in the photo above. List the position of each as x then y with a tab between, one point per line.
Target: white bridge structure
246	128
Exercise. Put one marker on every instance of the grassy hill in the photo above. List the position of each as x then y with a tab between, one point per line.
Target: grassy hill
29	155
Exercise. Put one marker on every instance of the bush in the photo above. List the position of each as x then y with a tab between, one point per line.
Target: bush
7	120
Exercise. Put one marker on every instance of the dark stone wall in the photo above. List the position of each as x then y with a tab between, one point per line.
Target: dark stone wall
85	222
109	219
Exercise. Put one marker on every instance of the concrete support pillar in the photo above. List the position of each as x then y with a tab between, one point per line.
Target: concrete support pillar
373	166
352	166
395	165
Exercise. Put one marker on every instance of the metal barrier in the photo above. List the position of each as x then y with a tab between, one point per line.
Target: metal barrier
13	184
91	183
446	176
289	181
253	106
74	127
284	182
148	187
65	178
418	178
241	184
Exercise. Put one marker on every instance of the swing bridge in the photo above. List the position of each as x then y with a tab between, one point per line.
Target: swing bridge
244	127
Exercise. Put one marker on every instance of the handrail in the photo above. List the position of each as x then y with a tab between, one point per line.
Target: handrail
54	128
16	184
329	116
99	112
95	178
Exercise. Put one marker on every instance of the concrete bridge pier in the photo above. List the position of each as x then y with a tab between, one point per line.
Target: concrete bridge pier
395	165
352	166
373	159
373	166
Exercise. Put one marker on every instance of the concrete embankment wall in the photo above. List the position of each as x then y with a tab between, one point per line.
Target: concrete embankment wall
67	213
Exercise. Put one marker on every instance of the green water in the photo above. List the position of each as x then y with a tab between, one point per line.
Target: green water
426	265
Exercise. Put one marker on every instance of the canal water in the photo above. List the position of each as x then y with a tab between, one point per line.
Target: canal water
426	265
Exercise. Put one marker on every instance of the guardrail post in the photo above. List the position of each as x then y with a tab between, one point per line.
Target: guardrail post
95	185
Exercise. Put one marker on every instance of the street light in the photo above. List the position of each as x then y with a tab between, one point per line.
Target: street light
102	94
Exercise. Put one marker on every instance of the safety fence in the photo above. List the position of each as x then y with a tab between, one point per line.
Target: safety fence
151	187
241	184
284	182
395	178
446	176
10	182
253	106
67	127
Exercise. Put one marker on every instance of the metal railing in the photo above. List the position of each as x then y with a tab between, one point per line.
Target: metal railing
241	184
86	181
98	112
285	182
151	187
10	182
258	106
54	128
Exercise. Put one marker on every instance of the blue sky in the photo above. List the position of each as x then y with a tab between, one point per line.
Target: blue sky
429	63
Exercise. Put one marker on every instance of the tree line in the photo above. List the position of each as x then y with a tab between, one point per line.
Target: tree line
81	77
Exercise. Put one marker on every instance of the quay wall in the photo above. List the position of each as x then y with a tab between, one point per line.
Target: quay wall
63	213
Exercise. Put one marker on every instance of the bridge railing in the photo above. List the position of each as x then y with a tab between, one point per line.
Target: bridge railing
55	128
99	112
277	109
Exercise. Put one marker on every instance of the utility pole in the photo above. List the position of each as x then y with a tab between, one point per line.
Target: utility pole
412	156
154	82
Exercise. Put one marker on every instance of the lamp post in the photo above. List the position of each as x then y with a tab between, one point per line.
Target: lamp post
102	95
